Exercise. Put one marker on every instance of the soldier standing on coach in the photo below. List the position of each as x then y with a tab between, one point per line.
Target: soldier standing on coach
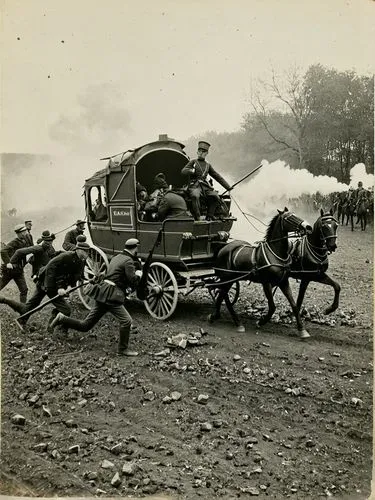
41	253
70	239
29	225
109	295
15	272
54	280
198	186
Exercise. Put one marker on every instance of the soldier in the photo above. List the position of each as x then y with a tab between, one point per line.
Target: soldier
109	295
172	205
54	280
159	187
197	171
41	253
29	225
15	272
70	239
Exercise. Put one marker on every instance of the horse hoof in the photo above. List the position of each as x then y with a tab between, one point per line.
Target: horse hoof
241	329
304	334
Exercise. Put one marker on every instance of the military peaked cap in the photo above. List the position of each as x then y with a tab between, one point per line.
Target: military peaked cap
204	145
20	228
131	242
79	221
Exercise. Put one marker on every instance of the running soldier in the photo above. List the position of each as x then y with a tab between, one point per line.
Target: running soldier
10	271
109	295
55	280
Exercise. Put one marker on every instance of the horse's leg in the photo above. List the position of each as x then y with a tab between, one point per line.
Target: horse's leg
236	319
287	291
301	293
327	280
352	221
267	288
219	300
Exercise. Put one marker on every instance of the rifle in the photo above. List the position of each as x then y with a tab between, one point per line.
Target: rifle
142	291
27	314
243	178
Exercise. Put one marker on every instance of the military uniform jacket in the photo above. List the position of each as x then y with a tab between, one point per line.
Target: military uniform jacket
70	239
41	256
7	253
202	169
172	205
119	278
63	270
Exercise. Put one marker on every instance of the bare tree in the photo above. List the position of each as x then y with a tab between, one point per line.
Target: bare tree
283	107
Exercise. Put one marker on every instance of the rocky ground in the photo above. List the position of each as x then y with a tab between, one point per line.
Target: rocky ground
231	415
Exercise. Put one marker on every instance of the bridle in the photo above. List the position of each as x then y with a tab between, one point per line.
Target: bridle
294	221
324	221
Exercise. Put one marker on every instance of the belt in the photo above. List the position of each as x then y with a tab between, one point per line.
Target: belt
110	282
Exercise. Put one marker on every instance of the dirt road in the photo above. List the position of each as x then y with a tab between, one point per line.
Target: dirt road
235	415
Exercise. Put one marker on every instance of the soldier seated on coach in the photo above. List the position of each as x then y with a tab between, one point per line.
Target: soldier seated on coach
159	187
199	187
173	205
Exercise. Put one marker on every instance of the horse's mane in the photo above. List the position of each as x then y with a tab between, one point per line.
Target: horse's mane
271	226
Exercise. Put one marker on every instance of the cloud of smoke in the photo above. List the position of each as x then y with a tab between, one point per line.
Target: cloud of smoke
49	188
358	173
273	187
100	124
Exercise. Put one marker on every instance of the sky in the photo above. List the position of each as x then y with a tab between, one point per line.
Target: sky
96	78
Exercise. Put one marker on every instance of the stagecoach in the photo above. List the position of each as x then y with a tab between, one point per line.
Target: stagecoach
184	259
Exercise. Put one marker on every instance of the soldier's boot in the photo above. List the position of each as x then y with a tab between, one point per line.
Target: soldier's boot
16	306
63	321
124	341
211	209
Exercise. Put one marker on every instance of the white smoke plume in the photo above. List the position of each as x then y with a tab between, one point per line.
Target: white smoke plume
48	189
358	173
273	187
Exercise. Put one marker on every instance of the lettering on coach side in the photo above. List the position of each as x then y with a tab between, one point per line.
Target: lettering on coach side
122	216
121	212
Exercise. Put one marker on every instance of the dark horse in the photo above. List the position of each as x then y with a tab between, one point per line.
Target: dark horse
267	263
310	258
362	211
349	211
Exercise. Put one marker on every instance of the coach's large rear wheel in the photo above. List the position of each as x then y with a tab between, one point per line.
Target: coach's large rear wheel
96	265
162	291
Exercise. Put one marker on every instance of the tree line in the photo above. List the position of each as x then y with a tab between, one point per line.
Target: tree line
321	120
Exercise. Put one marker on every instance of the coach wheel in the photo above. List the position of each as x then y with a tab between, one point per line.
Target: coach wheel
162	291
234	293
95	265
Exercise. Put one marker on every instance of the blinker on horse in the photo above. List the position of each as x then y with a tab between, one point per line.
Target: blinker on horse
310	258
267	263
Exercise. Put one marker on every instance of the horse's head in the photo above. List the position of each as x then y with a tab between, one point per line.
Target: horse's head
327	226
290	222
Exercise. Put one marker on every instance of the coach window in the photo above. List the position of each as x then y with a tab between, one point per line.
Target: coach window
98	204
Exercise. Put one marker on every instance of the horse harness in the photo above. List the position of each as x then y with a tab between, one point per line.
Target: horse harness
262	257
